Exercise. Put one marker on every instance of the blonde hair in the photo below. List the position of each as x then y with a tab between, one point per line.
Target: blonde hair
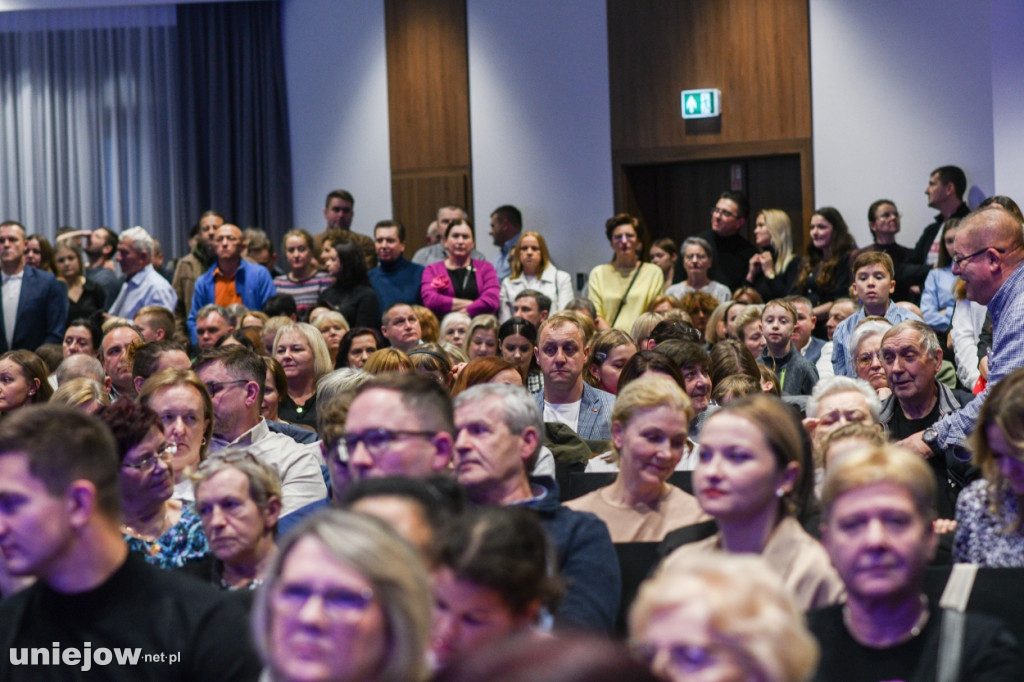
78	392
517	265
885	464
749	612
1004	409
603	343
388	360
486	322
654	391
644	325
780	230
321	354
166	378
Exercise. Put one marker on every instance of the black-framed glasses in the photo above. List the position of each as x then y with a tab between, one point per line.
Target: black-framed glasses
146	465
378	441
721	211
339	603
959	261
215	387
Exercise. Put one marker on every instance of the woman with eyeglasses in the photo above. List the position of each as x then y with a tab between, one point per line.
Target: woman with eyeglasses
865	353
697	262
165	531
346	599
622	290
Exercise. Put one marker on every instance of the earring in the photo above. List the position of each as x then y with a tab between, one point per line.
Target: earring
780	492
204	441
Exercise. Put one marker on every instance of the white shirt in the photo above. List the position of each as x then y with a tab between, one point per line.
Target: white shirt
563	413
11	294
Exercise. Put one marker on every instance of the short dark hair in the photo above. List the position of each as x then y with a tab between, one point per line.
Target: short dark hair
391	223
110	238
511	214
351	335
94	330
280	304
874	207
685	353
543	301
421	394
674	329
439	497
645	360
129	421
63	445
738	198
954	174
148	355
342	194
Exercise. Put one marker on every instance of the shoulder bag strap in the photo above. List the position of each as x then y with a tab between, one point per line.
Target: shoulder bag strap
622	303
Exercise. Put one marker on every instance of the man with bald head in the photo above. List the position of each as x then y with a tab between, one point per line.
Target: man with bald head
987	254
233	280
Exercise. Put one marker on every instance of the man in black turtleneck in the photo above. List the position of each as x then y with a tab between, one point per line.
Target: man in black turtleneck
731	252
396	280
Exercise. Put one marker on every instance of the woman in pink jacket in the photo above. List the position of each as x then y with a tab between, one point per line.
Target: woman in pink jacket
459	283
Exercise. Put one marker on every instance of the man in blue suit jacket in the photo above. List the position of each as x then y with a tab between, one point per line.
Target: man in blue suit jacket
567	399
34	303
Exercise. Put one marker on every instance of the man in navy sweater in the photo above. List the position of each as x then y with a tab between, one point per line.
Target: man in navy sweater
396	280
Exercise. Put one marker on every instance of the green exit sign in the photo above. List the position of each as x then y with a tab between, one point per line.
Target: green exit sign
705	103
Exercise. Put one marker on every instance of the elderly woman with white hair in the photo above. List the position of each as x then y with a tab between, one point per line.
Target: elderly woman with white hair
304	355
721	618
866	353
835	402
697	263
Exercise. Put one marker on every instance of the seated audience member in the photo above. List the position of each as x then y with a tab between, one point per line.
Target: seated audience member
988	512
395	279
401	327
647	363
275	387
716	328
873	283
747	295
454	327
566	658
114	355
567	399
623	289
699	306
332	326
376	625
351	293
183	406
151	357
532	270
747	471
609	351
673	329
729	358
387	361
939	300
487	370
82	336
281	305
912	357
693	363
303	354
24	380
641	331
774	269
63	464
665	254
482	337
808	345
234	379
212	324
697	262
493	565
650	423
399	424
517	339
460	282
430	327
849	438
238	500
430	359
663	305
82	365
721	618
164	531
878	508
866	354
796	373
583	306
749	330
156	323
81	393
356	347
417	508
836	402
535	307
841	309
499	432
735	386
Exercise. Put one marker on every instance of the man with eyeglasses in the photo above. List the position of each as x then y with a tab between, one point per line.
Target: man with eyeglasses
884	223
234	377
987	255
93	602
730	250
397	425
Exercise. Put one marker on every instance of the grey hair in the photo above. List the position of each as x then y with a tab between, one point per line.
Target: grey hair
264	482
927	335
141	241
841	384
863	331
519	408
80	365
696	241
338	381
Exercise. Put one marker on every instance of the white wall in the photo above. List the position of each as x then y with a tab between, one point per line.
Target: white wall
1008	96
539	115
900	88
336	71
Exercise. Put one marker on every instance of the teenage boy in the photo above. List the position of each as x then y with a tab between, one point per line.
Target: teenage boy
797	375
873	283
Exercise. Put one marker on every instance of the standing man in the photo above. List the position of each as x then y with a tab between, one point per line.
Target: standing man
395	279
233	280
339	209
93	602
498	437
567	399
878	508
435	253
945	190
143	285
191	266
100	247
35	304
731	252
987	254
506	224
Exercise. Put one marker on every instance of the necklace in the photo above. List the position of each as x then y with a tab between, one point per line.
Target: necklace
914	631
148	536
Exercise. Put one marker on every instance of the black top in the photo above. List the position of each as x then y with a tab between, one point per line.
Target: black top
464	283
288	411
92	300
358	305
782	285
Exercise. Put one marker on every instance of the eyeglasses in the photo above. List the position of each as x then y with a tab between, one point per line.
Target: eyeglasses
865	359
959	261
681	657
378	441
722	212
215	387
695	256
889	215
339	603
146	465
625	237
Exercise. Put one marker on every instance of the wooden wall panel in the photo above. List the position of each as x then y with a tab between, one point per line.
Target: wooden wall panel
428	109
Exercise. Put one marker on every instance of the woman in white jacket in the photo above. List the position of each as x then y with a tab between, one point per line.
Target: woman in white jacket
532	269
